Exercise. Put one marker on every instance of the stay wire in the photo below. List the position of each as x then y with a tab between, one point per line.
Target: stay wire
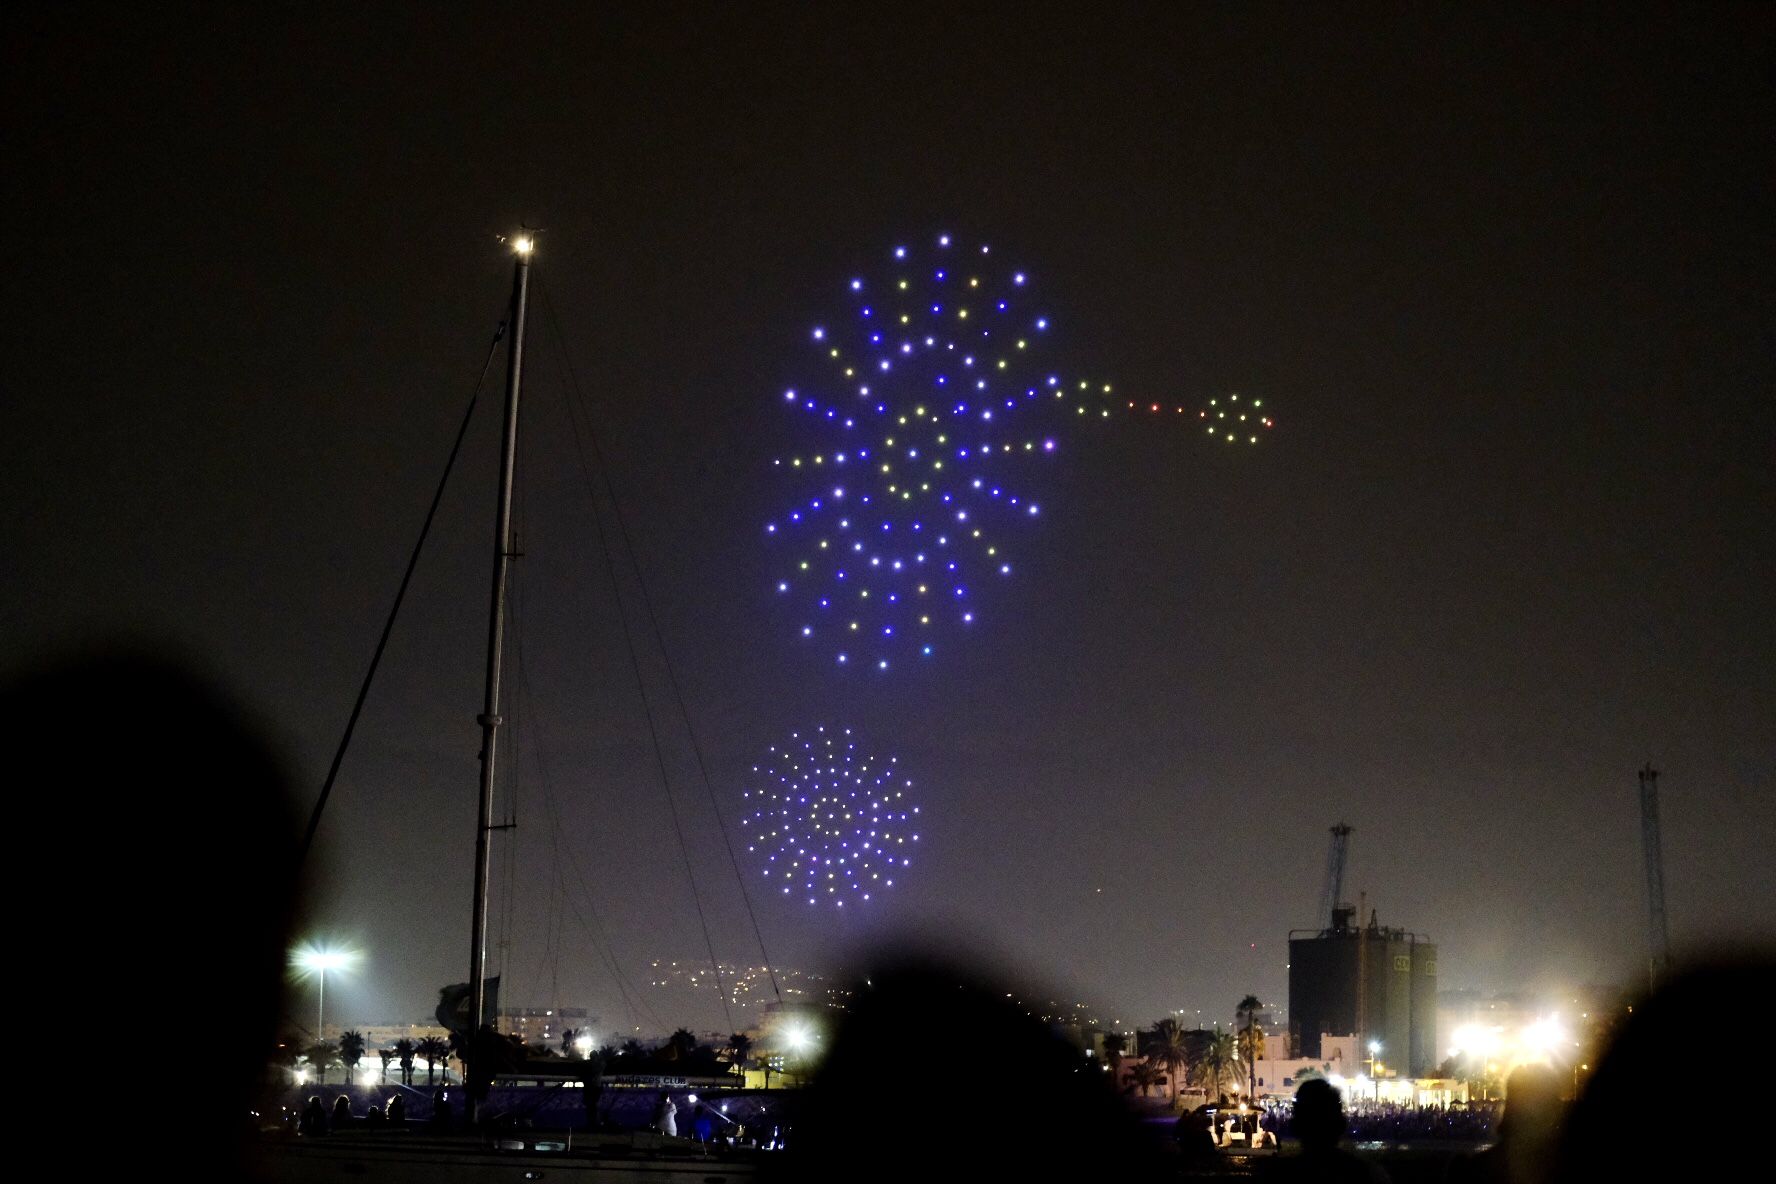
635	659
351	723
660	761
595	930
659	639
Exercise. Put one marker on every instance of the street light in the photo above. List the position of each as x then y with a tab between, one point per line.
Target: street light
318	961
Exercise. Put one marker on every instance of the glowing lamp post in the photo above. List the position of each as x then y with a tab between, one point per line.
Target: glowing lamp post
799	1041
318	962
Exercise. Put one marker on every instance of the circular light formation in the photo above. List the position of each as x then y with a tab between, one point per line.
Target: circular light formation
831	823
926	414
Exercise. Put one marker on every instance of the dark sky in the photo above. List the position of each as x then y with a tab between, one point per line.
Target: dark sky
1503	276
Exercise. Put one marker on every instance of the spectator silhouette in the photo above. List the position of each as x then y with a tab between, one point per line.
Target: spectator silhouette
1527	1134
1072	1125
182	814
443	1119
397	1110
1610	1132
314	1118
1195	1143
1319	1125
342	1111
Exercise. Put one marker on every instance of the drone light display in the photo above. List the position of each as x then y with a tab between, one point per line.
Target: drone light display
934	414
832	823
932	407
1229	420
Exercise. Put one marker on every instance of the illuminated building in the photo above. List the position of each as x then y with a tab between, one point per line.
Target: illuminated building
544	1025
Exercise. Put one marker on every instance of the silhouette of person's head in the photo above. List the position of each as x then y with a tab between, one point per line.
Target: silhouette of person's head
1087	1132
1532	1102
218	835
1319	1116
1607	1134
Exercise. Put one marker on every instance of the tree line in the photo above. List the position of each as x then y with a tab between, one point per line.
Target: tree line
681	1054
1207	1058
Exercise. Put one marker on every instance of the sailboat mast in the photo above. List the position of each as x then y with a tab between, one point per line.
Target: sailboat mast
496	629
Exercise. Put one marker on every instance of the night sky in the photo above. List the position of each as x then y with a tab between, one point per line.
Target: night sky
1504	278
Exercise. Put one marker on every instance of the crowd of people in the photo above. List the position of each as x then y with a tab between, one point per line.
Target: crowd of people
1395	1123
318	1119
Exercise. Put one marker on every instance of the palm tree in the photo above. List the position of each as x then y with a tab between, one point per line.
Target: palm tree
320	1055
1168	1045
680	1045
351	1051
1248	1010
1146	1074
387	1055
567	1041
739	1050
404	1052
1114	1046
1218	1055
1251	1051
433	1050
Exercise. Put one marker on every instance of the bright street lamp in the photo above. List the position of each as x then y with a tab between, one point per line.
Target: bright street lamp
317	961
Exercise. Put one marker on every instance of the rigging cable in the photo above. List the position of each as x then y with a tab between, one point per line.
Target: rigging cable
594	930
654	624
351	723
635	665
659	755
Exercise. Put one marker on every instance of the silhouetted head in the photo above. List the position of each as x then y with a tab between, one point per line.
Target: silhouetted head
1609	1133
1027	1072
1319	1115
1532	1101
161	781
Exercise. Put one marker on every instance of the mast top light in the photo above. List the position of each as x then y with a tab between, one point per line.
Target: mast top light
524	244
